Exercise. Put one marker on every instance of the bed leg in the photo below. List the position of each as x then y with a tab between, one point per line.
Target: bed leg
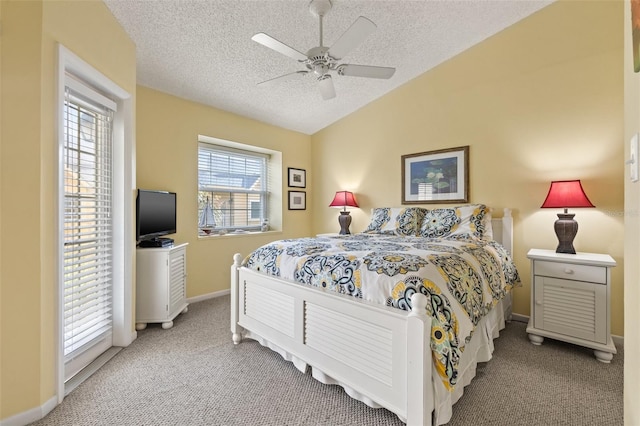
236	330
419	386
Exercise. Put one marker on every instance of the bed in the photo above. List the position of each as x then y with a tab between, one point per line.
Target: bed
398	315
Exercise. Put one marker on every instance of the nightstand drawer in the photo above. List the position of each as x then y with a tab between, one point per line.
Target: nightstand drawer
569	271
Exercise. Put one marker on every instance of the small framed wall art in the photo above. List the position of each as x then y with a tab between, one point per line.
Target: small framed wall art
440	176
297	200
297	178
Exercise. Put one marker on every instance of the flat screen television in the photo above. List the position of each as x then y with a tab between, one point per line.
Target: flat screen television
155	217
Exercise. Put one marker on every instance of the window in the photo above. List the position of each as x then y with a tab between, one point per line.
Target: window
87	244
256	209
104	111
232	188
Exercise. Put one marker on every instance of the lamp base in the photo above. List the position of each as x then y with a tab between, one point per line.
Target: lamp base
566	229
344	220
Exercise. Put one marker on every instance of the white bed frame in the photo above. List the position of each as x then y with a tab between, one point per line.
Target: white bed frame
306	325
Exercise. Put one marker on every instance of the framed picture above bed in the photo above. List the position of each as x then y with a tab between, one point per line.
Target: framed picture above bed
297	200
440	176
297	178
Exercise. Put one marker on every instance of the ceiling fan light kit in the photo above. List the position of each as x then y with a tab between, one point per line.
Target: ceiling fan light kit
321	61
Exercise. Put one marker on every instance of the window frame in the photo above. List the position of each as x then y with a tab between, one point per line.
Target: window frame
124	184
270	200
232	203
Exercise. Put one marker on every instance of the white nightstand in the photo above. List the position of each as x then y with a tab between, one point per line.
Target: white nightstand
570	300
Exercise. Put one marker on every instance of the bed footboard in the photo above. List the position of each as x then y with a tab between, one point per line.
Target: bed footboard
381	353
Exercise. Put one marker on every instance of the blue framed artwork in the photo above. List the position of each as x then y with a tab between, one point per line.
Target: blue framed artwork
440	176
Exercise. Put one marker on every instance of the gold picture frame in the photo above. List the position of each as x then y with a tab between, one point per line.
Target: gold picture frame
440	176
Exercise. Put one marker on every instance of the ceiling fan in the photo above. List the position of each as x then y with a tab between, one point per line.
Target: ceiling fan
321	61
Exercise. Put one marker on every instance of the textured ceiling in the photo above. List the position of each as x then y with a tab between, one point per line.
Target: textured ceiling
202	50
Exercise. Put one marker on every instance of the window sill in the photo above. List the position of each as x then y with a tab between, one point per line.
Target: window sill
237	234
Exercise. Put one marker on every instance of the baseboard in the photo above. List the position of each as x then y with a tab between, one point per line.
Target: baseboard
520	318
31	415
208	296
617	340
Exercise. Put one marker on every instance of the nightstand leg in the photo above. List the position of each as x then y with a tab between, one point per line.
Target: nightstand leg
535	339
601	356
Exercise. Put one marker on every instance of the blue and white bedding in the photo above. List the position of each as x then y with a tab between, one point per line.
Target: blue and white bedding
462	275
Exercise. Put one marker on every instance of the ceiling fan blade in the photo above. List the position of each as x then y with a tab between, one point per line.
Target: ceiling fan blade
351	38
278	46
289	76
365	71
327	90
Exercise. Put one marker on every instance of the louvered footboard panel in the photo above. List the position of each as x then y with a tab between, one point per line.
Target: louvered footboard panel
341	336
272	308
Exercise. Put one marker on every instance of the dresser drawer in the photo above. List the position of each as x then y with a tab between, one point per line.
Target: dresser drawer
568	271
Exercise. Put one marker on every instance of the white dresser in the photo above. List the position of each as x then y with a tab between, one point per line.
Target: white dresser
161	285
570	300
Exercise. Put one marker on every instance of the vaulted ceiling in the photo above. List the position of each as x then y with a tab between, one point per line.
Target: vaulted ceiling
202	50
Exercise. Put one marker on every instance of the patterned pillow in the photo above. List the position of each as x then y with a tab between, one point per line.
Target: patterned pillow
469	219
396	220
487	234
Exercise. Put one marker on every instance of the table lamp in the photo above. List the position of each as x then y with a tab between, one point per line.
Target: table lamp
566	194
344	199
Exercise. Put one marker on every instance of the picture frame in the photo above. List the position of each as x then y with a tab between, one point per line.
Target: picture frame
297	200
297	178
635	33
440	176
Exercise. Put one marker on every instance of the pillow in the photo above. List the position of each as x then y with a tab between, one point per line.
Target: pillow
396	220
488	226
472	220
468	219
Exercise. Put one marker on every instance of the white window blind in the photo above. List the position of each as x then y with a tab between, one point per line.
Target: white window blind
87	252
233	187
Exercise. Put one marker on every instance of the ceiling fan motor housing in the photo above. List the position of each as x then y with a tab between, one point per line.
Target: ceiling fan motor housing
319	54
319	61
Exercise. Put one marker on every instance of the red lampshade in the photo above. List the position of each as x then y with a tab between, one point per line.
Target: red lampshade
344	199
566	193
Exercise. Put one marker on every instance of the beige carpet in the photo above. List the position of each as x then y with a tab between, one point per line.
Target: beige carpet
192	374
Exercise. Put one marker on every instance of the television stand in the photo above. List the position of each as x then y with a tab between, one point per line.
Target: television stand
161	285
156	242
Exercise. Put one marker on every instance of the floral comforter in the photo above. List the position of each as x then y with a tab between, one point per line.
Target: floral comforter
463	277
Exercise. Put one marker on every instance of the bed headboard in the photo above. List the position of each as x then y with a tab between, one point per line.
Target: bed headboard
503	229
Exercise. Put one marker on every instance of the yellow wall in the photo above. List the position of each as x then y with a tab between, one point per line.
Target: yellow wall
632	237
30	30
540	101
21	352
167	154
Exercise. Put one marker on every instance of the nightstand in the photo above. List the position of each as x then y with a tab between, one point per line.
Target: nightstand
570	300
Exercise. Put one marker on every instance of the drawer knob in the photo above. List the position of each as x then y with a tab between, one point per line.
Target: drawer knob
539	302
568	271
